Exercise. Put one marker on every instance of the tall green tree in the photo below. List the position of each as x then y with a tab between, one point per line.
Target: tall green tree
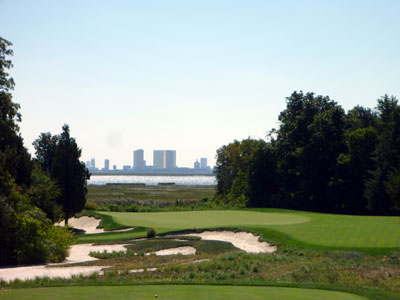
26	235
45	150
387	155
70	173
309	140
233	171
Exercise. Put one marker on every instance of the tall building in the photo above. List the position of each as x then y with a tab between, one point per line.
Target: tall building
170	159
158	159
106	164
203	163
138	159
92	163
164	159
196	164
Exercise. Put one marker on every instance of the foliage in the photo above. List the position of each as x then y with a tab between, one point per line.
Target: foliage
319	159
26	194
150	233
70	173
44	192
59	158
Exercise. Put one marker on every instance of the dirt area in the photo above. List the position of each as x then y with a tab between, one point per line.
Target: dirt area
245	241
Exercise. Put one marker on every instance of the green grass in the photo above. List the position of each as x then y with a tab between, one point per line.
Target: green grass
175	292
323	230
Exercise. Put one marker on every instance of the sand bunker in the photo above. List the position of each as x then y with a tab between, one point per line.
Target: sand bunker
245	241
29	273
185	250
142	270
80	253
87	224
77	254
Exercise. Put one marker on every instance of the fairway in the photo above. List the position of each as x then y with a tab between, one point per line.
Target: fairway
204	219
175	292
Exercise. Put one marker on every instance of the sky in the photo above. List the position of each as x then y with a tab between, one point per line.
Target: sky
190	76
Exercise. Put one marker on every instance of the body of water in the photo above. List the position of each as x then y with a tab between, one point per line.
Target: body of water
152	180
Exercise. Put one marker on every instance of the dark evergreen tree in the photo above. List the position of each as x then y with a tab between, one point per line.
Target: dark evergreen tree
70	173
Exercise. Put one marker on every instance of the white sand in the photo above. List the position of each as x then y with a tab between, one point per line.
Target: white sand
26	273
185	250
77	254
245	241
142	270
80	253
87	224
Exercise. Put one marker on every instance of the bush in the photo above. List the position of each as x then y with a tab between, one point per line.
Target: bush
151	233
91	205
58	240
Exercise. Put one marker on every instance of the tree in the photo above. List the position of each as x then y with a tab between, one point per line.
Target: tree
45	150
308	143
386	155
233	170
70	173
26	235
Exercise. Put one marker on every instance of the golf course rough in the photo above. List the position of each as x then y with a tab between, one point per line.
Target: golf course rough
175	292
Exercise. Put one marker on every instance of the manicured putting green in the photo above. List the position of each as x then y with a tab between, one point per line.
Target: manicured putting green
175	292
204	219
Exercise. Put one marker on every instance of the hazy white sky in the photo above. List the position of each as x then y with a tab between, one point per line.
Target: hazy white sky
190	75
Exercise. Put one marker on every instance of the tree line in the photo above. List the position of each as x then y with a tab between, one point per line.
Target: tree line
321	158
34	193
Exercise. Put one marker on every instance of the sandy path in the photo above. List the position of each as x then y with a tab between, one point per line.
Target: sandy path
77	254
245	241
87	224
185	250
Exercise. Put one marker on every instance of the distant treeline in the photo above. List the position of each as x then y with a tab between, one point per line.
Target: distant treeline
320	159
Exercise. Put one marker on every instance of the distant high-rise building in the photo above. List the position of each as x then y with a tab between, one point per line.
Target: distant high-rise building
88	164
158	159
138	161
196	164
203	163
106	164
170	159
92	163
114	167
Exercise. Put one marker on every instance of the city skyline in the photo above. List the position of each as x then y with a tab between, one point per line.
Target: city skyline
167	160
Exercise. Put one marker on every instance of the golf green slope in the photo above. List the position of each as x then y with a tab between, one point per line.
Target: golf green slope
313	228
204	219
175	292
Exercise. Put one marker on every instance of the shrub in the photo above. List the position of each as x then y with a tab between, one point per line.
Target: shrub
91	205
151	232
